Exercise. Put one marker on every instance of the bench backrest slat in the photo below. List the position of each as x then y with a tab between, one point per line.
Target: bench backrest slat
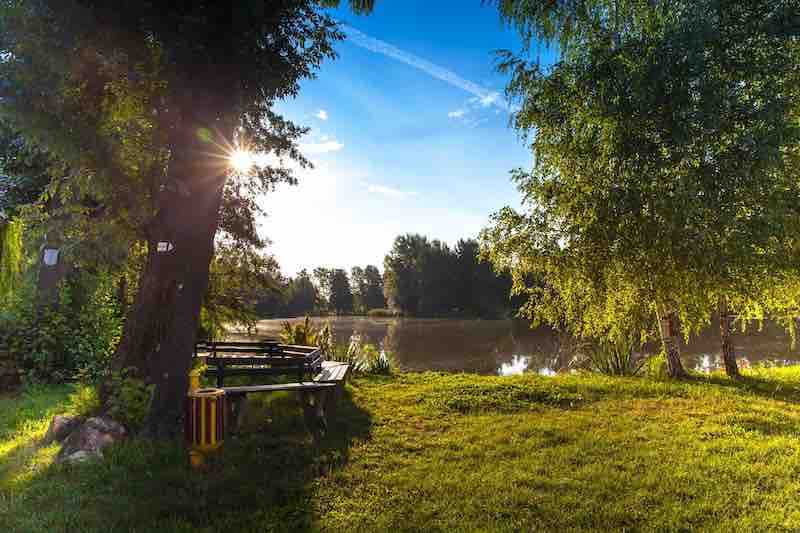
258	357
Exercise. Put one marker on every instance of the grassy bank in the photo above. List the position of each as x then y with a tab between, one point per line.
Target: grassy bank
442	452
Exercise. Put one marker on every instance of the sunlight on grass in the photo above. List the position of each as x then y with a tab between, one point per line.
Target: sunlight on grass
447	452
30	461
24	420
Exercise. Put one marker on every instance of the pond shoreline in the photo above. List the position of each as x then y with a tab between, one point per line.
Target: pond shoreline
508	347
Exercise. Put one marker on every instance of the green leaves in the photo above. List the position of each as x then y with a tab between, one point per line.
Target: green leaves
663	168
11	258
361	7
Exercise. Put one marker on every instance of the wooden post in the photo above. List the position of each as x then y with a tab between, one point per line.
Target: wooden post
220	372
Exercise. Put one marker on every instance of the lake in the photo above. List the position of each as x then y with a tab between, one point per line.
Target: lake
511	347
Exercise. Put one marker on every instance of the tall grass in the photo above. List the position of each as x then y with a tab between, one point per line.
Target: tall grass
305	334
362	357
365	358
612	358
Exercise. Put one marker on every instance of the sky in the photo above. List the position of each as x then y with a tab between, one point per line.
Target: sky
409	134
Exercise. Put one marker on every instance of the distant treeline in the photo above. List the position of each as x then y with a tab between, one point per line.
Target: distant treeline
427	278
325	291
422	277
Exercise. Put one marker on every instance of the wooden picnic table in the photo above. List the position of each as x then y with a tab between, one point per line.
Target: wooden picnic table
318	393
267	357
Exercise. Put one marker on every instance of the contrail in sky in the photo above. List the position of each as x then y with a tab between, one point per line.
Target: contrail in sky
482	94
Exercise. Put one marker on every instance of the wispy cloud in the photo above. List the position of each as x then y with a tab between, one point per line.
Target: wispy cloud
441	73
321	147
388	191
485	101
458	113
321	114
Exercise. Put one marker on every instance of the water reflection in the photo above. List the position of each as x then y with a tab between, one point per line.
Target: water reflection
518	365
508	347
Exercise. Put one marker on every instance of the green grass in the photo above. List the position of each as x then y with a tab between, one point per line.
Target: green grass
439	452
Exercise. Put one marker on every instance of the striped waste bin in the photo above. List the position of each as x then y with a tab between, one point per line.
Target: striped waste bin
205	422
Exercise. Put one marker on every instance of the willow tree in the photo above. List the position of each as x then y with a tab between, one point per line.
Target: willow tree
664	183
10	257
145	103
25	172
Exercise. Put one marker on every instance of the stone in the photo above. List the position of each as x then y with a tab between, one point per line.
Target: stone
90	438
60	428
81	456
107	425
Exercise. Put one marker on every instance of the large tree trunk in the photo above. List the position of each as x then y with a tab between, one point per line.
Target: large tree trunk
667	322
728	355
159	335
53	270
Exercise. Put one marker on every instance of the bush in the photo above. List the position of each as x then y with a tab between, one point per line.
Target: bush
377	361
612	358
366	358
305	334
128	399
85	401
75	336
657	367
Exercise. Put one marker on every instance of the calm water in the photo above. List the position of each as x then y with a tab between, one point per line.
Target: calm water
511	347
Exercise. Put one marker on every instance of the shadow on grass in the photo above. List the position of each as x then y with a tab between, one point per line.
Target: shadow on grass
263	480
787	391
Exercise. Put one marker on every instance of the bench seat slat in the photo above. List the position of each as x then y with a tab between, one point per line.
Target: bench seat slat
301	386
255	361
332	372
258	371
237	343
241	349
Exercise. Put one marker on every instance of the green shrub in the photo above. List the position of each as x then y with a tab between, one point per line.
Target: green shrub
657	367
128	399
377	361
73	337
612	358
351	354
305	334
85	401
365	358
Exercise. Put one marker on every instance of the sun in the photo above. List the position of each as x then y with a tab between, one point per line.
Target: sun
241	160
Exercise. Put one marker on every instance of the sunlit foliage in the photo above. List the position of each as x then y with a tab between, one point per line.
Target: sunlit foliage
665	163
10	259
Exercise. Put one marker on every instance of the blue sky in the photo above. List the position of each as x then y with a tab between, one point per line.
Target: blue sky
410	133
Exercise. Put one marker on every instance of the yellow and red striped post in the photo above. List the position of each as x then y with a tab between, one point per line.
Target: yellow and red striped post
205	422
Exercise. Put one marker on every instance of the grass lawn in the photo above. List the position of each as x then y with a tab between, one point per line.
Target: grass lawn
442	452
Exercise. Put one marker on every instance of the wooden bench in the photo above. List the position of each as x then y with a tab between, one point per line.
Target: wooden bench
268	357
316	397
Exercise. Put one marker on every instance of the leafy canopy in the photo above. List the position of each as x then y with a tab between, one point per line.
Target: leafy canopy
665	146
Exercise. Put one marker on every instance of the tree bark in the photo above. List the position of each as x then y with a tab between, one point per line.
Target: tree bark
667	322
50	276
160	330
728	354
122	294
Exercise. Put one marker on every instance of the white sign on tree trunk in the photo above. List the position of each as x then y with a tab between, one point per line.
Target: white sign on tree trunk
50	256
